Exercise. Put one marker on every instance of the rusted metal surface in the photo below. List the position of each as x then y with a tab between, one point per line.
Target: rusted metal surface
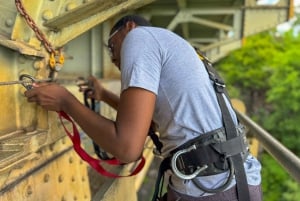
53	173
37	161
81	12
21	47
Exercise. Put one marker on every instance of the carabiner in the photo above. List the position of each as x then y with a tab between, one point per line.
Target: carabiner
175	169
223	186
27	81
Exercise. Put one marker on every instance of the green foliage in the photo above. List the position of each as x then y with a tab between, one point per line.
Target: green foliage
272	175
277	184
284	95
248	67
293	191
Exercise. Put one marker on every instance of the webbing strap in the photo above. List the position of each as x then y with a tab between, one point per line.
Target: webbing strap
231	147
241	179
91	104
93	162
231	132
155	140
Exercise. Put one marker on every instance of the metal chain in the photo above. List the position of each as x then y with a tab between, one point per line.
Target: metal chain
39	34
56	59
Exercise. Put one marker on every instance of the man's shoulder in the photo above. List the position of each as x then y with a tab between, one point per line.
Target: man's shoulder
150	29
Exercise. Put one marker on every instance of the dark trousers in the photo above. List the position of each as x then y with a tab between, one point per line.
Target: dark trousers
228	195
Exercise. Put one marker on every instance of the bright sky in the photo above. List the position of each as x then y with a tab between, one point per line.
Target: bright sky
297	2
284	26
288	25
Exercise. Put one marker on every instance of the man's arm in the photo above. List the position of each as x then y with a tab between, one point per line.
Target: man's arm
123	138
110	98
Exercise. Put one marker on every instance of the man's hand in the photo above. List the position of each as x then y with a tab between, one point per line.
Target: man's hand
96	90
50	96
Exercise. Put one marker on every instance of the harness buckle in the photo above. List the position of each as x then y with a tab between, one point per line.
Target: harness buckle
177	171
219	86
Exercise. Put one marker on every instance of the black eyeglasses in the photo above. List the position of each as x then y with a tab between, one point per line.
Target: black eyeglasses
115	32
110	46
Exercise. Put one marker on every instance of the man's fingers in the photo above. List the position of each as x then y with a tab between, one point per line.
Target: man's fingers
33	99
91	94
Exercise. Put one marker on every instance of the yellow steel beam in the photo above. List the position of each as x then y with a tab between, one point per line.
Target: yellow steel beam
21	47
292	9
80	13
84	17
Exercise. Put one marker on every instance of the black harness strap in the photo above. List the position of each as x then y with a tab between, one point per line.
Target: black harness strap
92	105
241	179
155	139
164	166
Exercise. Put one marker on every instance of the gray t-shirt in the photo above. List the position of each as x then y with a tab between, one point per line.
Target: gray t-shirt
160	61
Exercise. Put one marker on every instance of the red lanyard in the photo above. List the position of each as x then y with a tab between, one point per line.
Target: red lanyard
94	163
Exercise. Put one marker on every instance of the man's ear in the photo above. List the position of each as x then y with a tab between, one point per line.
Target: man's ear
130	25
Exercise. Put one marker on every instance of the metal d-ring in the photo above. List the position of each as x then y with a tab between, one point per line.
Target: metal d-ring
27	81
175	169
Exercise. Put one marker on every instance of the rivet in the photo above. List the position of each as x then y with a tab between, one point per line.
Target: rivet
26	38
29	190
46	178
73	179
9	22
38	65
70	6
71	160
63	141
75	198
47	15
60	178
63	198
83	179
51	147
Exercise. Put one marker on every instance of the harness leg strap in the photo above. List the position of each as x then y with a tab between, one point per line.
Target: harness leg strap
241	179
164	166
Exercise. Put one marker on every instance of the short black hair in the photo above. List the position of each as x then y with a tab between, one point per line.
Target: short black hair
140	21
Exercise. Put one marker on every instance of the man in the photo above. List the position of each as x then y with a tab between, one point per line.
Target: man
162	81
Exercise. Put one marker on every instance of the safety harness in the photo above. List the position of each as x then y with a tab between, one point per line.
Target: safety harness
218	151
